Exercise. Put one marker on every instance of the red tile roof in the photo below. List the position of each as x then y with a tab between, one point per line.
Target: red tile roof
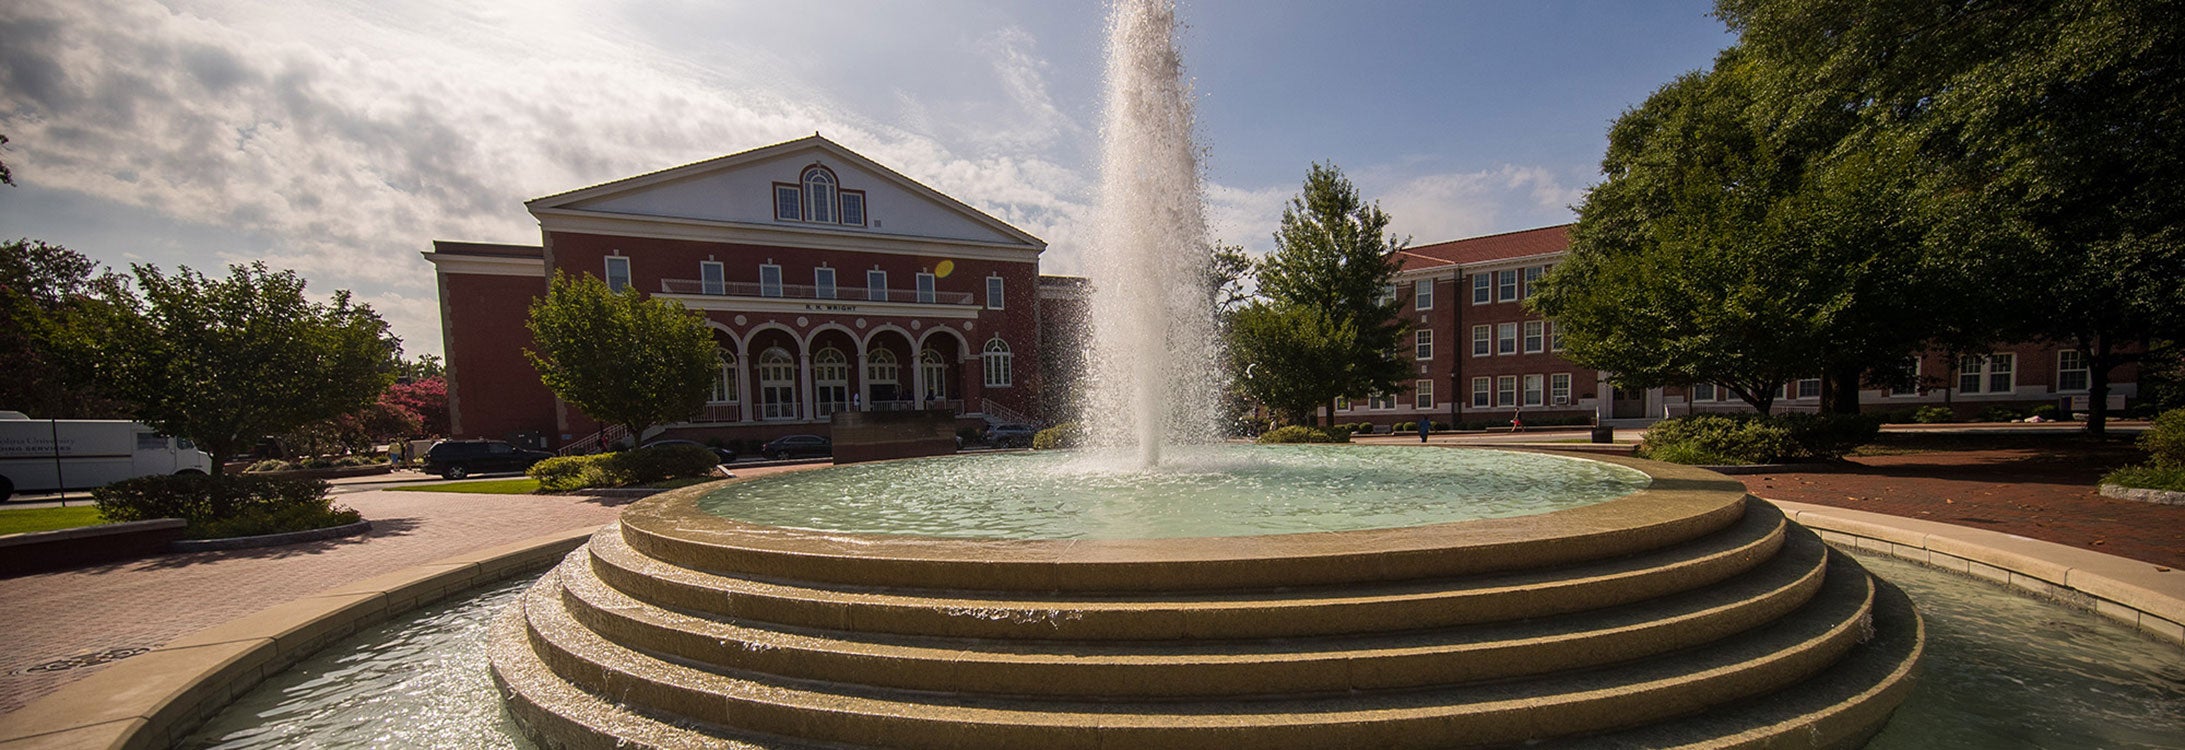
1493	247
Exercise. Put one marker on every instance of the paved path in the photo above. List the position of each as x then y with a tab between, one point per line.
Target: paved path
2042	494
147	602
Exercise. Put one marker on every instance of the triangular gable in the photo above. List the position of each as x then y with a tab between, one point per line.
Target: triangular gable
739	189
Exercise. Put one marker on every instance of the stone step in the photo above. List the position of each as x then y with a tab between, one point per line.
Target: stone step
1682	503
1753	538
1200	668
1682	683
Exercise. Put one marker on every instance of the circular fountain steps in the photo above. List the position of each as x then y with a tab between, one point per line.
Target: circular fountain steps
1743	633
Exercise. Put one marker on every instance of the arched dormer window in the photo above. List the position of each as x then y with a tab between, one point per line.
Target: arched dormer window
819	194
999	369
817	197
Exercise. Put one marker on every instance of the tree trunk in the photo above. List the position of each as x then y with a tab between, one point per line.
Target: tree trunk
1840	391
2098	365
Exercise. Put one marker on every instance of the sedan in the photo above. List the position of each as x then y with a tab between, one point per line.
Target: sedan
796	446
724	454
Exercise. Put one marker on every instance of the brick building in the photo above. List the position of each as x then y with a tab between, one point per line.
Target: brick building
830	282
1482	359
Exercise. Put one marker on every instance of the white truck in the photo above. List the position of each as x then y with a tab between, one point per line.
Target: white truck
44	455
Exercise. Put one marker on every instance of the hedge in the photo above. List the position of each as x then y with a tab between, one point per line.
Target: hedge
1756	439
1065	435
224	506
1302	434
623	468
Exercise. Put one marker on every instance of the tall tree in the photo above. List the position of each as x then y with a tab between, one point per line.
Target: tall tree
226	362
1333	254
1725	246
621	357
1286	356
2050	140
45	290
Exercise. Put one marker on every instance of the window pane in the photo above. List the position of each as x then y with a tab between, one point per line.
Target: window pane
618	273
1532	274
1422	394
876	286
1422	295
993	292
787	203
1480	286
925	288
1559	388
1506	281
823	283
1424	345
711	278
1506	390
1533	341
1532	390
1999	373
1506	338
1482	392
853	209
1482	341
769	281
1809	388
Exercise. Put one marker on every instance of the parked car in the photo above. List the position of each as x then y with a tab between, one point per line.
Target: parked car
796	446
42	455
1011	436
455	459
724	454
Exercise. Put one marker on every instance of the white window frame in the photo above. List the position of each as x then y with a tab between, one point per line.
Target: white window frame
1536	337
1422	344
795	201
1532	274
848	197
769	280
1708	394
1422	394
617	272
876	285
1483	340
1482	288
1536	391
994	287
1982	370
1483	392
1506	286
1381	402
823	283
926	293
1905	391
1555	338
1342	403
1506	390
1506	338
1422	294
999	361
2085	373
712	277
820	189
1802	388
1559	389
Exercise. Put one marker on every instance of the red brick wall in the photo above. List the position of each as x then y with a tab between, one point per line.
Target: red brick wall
495	392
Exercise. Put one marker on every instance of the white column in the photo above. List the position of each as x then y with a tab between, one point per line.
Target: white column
746	371
805	397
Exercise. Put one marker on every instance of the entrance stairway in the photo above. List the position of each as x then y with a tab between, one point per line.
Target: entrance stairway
1691	616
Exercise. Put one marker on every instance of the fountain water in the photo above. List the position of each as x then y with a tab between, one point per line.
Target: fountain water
1155	381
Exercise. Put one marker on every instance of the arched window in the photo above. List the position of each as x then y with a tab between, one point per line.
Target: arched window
777	385
998	367
935	369
724	377
819	194
881	368
831	381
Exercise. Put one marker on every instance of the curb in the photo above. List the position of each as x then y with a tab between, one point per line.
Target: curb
269	540
1749	469
2139	594
2158	497
156	699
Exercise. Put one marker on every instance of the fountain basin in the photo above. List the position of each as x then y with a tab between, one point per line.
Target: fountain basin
1630	616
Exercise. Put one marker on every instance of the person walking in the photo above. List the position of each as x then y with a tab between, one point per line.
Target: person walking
1425	426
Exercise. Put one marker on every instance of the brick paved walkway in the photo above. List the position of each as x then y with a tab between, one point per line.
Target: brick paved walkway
148	602
2042	494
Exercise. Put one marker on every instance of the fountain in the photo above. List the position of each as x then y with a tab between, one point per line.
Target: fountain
1158	591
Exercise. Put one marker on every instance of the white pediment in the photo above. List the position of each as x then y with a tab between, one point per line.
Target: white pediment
739	189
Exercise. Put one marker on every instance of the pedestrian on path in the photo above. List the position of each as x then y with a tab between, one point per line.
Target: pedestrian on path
1425	426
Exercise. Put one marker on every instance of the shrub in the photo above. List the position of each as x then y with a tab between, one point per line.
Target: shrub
2170	478
1341	433
1405	427
2165	439
1065	435
1293	434
623	468
1999	414
1754	439
1898	416
971	435
1934	415
216	507
2046	412
270	464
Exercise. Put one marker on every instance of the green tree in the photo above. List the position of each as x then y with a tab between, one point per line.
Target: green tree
46	290
2050	146
1286	356
619	356
226	362
1729	244
1333	254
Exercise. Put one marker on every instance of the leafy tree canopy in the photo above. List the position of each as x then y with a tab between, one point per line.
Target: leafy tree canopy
45	290
226	362
1333	254
1286	356
619	356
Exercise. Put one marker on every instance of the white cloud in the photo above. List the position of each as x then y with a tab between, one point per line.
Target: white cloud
1446	206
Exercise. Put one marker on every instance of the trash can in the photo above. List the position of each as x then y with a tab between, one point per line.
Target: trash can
1604	434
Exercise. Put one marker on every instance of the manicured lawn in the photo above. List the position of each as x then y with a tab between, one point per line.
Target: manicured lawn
516	486
48	519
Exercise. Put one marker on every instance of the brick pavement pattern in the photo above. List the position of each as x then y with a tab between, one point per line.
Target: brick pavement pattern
2043	495
147	602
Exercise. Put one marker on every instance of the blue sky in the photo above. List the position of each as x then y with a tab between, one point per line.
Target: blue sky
340	138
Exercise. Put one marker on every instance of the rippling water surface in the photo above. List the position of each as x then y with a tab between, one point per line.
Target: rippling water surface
1223	490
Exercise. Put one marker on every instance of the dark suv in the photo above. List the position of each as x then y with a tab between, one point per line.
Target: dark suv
456	459
1011	436
797	446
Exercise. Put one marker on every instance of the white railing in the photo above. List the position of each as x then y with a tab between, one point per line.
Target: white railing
595	442
844	294
997	413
